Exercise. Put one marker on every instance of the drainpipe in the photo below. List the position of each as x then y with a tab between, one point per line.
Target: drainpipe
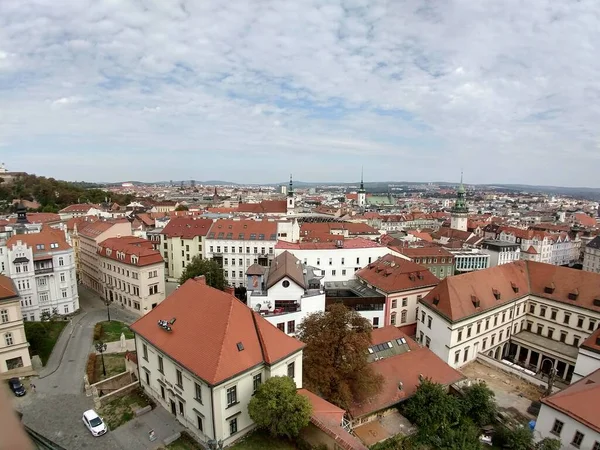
212	405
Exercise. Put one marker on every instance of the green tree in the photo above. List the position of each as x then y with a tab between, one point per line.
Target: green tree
211	270
478	404
432	409
548	444
462	436
335	357
277	407
514	439
182	208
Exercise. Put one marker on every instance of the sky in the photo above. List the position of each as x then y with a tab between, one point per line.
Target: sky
251	91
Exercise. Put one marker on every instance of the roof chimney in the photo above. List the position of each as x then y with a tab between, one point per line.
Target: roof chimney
200	279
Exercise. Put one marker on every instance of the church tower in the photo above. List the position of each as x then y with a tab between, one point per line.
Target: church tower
291	201
362	194
460	211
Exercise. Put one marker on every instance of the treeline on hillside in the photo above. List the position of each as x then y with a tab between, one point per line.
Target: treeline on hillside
53	195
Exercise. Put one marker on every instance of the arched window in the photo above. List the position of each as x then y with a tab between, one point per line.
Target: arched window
403	316
393	318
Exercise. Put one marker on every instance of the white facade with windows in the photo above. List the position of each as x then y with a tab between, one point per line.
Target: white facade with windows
573	435
591	256
470	260
14	348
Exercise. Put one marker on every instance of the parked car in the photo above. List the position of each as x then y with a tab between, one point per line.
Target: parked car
17	387
94	423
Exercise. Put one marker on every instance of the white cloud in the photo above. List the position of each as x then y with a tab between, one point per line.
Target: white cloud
410	90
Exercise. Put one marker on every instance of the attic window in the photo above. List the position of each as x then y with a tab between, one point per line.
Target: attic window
597	302
261	237
515	288
253	236
240	346
475	301
388	272
411	277
598	340
229	235
573	295
241	236
496	294
371	265
221	234
549	289
436	300
420	275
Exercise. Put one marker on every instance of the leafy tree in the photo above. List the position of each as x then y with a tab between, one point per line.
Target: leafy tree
335	357
548	444
462	436
432	409
514	439
182	208
277	407
211	270
478	404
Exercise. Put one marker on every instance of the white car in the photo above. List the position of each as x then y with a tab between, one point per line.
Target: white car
94	423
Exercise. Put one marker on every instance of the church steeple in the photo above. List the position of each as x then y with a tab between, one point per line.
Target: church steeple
291	201
290	191
362	184
460	210
362	193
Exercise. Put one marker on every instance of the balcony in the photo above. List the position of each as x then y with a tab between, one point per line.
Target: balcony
43	270
279	310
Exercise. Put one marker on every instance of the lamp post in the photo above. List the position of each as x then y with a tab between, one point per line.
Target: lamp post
108	309
551	375
101	348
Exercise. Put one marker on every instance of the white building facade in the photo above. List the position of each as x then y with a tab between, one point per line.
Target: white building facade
14	348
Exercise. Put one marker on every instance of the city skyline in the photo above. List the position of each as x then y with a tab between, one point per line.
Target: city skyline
112	91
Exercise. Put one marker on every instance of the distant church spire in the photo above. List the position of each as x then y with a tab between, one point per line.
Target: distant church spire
362	184
290	192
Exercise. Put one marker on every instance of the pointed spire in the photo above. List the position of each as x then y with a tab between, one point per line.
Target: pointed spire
291	188
362	184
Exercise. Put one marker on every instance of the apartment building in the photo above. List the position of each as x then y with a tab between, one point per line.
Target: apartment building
202	354
438	260
238	244
14	348
588	358
286	292
338	260
533	314
42	266
403	283
89	238
591	256
469	260
501	252
73	226
182	239
132	273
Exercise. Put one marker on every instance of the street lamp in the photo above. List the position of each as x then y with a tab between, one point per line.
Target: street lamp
108	309
551	375
101	348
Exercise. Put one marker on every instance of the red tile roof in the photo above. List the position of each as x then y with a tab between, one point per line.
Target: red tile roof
585	220
80	222
347	243
328	227
130	246
579	401
592	343
39	218
264	207
231	229
404	368
94	229
7	288
457	296
45	238
210	323
79	208
393	274
187	227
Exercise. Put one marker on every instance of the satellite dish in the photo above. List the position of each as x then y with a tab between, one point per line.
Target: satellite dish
257	307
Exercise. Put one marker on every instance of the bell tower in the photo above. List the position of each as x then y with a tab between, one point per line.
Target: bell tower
291	200
460	211
362	193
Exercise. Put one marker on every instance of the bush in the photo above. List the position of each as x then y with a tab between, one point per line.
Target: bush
97	331
515	439
90	369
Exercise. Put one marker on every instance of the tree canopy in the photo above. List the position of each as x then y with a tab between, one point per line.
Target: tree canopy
335	357
478	404
182	208
548	444
277	407
209	268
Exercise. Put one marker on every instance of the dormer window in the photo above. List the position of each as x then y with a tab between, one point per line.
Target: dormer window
549	289
475	301
515	288
573	295
496	294
436	300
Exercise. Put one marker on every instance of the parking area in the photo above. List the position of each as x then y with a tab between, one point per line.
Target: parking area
513	394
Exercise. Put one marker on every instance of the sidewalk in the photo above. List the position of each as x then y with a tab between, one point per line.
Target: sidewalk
116	347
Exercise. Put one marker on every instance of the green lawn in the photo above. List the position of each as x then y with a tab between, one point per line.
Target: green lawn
111	331
184	443
42	337
259	440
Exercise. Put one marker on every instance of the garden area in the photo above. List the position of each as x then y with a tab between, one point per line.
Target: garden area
42	337
261	440
111	331
185	442
121	410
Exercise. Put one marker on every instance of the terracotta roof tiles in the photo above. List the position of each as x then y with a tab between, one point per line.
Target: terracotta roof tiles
243	230
129	246
347	243
187	227
7	288
44	243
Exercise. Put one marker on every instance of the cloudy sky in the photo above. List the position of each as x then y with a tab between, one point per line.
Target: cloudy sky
249	91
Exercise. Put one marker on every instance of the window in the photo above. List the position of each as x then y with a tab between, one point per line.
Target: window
62	277
403	316
456	357
596	446
577	439
423	316
469	332
550	332
504	317
281	326
145	351
375	322
487	324
232	396
580	322
484	344
466	354
61	261
542	311
199	419
198	392
343	271
291	369
162	392
427	342
147	378
478	327
4	315
233	426
532	308
256	382
291	326
405	301
181	410
563	336
179	378
566	318
495	320
553	314
394	303
459	338
592	325
429	320
576	341
8	339
393	319
540	328
161	368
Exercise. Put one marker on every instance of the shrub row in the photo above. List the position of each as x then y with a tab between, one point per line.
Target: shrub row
97	331
90	369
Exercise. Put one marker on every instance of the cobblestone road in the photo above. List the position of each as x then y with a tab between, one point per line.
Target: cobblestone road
55	409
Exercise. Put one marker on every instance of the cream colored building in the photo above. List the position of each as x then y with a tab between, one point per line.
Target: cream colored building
591	256
132	273
182	239
89	238
14	348
207	359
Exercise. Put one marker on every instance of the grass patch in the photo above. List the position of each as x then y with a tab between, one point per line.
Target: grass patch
111	331
260	440
114	362
42	337
185	442
121	410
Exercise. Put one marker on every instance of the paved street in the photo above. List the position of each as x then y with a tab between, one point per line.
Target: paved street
55	409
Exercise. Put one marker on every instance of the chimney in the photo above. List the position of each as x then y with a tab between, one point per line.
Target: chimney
230	290
200	279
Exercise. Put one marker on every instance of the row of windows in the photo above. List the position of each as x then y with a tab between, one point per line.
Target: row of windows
566	317
121	271
432	260
577	437
226	249
291	327
503	319
550	333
